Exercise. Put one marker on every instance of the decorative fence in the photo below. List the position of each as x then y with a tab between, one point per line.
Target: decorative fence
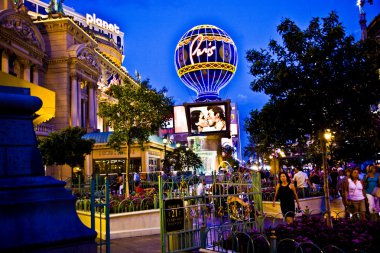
207	201
224	214
309	233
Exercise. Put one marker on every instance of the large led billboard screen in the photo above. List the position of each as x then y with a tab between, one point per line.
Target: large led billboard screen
208	117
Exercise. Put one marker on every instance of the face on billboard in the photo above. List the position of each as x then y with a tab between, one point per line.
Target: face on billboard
210	118
180	123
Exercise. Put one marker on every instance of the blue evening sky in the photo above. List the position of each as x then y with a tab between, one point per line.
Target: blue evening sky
153	27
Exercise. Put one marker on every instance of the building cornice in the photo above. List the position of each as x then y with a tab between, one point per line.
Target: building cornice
373	29
13	43
58	23
115	67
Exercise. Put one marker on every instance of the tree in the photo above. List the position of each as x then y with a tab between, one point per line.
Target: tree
317	79
65	147
134	111
184	159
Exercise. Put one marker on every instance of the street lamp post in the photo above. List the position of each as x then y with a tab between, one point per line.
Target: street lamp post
165	141
325	138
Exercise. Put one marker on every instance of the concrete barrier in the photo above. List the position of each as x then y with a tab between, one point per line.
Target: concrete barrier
316	205
123	225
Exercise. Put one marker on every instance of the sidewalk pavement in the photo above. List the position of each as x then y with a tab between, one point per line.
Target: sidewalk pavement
139	244
152	243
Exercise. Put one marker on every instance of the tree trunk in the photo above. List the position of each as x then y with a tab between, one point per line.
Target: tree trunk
127	170
325	180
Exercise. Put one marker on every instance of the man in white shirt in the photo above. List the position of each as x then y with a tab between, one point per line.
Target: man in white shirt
301	180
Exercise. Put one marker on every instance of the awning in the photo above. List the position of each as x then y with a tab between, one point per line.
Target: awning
47	110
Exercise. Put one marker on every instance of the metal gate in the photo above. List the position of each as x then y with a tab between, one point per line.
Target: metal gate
195	209
100	206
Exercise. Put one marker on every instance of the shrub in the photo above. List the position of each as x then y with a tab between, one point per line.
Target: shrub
345	234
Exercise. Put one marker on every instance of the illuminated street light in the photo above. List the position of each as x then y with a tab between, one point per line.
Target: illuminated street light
325	139
165	141
327	135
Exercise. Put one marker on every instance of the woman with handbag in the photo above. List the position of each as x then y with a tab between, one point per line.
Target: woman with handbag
371	186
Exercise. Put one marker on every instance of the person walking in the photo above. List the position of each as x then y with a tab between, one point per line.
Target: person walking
354	195
315	178
120	182
343	184
334	176
302	181
286	193
371	181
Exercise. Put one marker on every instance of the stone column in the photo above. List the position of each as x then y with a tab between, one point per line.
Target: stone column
88	166
79	104
74	101
96	110
26	73
91	107
145	161
35	75
4	62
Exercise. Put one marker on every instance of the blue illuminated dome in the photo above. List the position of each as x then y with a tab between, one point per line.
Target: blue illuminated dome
206	60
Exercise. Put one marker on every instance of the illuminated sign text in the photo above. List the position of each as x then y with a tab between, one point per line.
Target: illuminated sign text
93	20
197	51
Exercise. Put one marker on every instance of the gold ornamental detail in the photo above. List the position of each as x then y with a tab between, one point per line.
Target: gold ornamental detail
206	65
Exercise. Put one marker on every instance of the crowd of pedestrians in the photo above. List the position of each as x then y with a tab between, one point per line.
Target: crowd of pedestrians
358	189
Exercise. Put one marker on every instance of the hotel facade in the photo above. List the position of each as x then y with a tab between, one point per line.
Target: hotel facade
67	59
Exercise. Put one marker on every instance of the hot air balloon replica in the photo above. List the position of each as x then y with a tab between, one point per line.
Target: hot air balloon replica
206	60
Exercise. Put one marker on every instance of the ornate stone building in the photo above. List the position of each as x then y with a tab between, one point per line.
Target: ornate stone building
373	29
66	59
57	52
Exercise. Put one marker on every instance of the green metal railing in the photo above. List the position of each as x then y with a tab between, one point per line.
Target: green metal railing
100	202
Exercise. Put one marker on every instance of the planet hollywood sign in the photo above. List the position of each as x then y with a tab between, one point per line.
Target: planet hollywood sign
93	20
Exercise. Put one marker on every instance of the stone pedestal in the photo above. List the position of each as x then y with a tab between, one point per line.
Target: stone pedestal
37	214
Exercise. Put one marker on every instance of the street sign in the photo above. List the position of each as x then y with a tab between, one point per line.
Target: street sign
174	215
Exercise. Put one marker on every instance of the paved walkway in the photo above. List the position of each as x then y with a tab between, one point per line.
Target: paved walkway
152	243
140	244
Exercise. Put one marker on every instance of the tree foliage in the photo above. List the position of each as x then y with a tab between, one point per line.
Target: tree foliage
318	78
183	159
65	147
135	112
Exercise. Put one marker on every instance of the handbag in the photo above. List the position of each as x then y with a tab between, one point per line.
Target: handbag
376	192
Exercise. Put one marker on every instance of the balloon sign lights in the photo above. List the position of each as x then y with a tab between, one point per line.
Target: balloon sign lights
206	60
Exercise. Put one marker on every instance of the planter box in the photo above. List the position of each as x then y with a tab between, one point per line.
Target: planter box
123	225
316	205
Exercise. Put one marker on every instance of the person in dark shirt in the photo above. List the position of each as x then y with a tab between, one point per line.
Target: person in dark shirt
286	193
334	182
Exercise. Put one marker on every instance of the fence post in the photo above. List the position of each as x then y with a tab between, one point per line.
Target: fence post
92	205
203	236
108	230
161	203
273	242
